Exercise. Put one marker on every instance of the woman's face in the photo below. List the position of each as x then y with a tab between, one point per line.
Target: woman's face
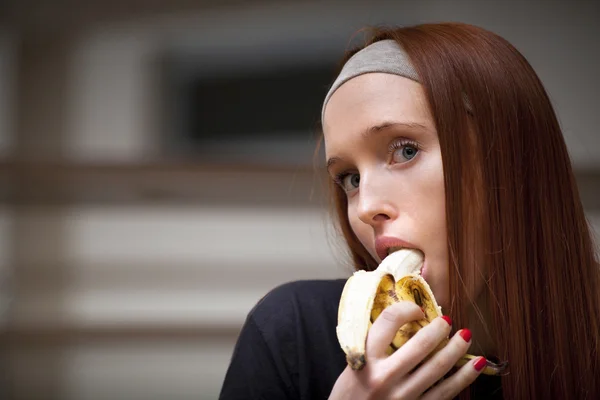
383	150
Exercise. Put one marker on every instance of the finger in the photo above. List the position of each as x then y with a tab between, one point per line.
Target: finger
419	346
451	387
437	366
387	324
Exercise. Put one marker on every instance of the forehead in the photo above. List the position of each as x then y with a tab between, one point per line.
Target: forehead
371	99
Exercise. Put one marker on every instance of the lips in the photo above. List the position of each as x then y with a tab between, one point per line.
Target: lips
384	243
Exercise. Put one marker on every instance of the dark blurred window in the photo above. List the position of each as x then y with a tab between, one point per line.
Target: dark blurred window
265	116
266	104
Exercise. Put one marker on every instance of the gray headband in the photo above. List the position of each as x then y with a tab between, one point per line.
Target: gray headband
384	56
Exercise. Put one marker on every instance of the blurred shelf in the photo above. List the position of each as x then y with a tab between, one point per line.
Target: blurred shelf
50	183
51	167
161	182
43	336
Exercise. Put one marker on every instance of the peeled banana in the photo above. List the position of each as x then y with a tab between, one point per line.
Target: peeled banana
367	293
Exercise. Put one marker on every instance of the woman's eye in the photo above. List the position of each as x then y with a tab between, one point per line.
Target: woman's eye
350	182
405	153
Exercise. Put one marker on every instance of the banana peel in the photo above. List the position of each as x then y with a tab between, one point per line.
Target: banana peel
367	293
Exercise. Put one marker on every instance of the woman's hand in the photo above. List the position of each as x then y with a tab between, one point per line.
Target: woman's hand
395	376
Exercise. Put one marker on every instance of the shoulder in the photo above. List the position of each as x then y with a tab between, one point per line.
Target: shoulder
288	347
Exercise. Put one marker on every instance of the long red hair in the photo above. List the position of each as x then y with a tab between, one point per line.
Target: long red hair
512	208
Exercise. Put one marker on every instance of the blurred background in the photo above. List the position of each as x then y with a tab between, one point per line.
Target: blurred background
157	172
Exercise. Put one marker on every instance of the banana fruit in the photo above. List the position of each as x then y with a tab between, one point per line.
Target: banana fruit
367	293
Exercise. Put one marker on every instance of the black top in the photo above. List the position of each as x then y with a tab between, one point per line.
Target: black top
288	348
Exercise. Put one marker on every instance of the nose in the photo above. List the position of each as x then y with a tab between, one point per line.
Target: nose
374	205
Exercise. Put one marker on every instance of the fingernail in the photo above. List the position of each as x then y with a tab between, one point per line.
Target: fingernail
423	310
480	364
465	334
447	319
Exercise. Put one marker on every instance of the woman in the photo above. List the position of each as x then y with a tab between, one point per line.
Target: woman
441	137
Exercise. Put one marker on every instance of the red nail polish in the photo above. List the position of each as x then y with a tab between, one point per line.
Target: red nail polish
423	310
480	364
447	319
465	334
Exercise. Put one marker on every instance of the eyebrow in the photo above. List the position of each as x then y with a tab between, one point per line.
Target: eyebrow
392	124
372	130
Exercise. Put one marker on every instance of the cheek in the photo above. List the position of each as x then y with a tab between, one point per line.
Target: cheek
426	203
433	215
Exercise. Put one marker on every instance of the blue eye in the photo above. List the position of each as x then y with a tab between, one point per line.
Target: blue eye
409	152
403	152
349	182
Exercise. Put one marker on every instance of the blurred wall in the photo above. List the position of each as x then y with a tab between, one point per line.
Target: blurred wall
127	273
